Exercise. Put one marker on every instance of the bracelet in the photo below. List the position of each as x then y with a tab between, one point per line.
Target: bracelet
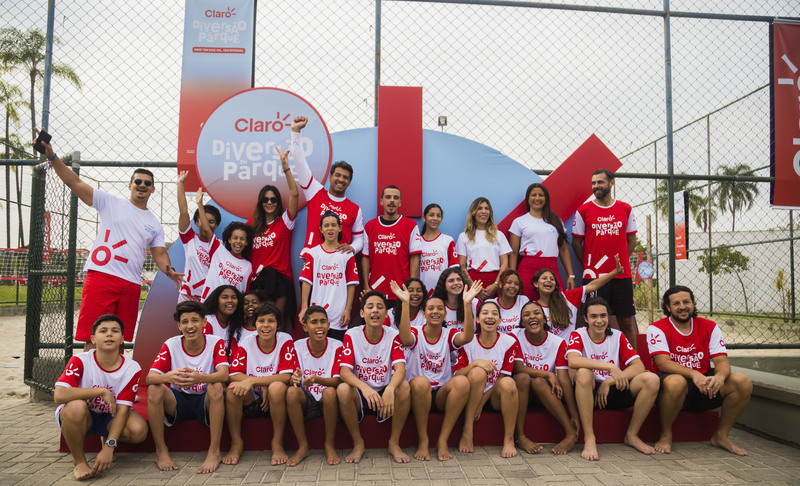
287	170
55	157
571	276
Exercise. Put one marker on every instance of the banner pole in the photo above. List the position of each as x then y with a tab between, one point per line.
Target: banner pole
670	168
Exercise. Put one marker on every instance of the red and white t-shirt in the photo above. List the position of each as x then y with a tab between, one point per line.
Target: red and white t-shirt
451	319
83	371
389	248
436	255
509	318
431	360
173	356
605	231
613	349
482	255
372	363
574	298
198	259
215	328
693	350
125	234
325	365
417	320
502	353
273	246
329	274
318	200
537	237
227	269
252	360
548	356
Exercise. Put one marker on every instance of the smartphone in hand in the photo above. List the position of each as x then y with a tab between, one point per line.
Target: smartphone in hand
43	138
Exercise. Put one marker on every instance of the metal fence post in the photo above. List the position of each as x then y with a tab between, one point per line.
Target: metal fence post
791	265
71	262
33	317
670	169
377	54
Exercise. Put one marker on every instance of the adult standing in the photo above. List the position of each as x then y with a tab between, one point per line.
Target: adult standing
391	246
318	200
605	227
537	241
114	267
482	249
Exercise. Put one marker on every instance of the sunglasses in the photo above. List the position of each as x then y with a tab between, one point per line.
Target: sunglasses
139	182
266	199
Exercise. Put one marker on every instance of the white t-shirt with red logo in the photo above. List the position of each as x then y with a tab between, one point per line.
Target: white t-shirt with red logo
574	298
550	355
126	232
537	237
605	231
325	365
251	360
389	248
436	255
509	318
227	269
502	353
613	349
482	255
198	259
173	356
417	320
372	363
329	274
431	360
318	200
272	248
693	350
451	319
83	371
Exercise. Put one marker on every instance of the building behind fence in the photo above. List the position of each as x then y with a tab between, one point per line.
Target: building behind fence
533	81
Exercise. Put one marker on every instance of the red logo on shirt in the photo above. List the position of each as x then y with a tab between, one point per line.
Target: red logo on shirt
102	254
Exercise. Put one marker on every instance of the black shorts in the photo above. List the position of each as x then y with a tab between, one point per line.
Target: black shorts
253	409
695	400
434	408
272	283
365	410
617	400
619	295
336	334
187	406
313	407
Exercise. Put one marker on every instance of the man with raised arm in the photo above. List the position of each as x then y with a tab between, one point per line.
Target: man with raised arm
318	200
114	267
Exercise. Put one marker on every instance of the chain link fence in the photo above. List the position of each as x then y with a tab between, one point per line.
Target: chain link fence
532	80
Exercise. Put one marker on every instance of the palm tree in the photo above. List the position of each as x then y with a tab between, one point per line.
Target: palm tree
26	50
699	209
10	99
734	196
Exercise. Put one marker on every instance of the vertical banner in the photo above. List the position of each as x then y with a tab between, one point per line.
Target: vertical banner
218	40
681	226
785	119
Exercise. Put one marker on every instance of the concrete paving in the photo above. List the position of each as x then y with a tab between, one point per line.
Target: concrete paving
29	456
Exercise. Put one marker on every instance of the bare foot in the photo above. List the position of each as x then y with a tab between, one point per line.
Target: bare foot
233	455
423	452
331	455
565	445
664	445
355	455
466	444
444	453
509	449
590	450
210	464
727	444
638	444
398	455
164	462
528	445
82	471
297	458
279	456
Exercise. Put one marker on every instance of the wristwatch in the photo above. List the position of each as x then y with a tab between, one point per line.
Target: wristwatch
111	442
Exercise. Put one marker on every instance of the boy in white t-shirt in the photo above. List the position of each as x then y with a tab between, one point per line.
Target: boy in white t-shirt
373	371
186	381
198	247
94	396
314	382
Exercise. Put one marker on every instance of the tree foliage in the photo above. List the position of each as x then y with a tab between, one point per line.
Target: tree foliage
734	196
699	208
725	260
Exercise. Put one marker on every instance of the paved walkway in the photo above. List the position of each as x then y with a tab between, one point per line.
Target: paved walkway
29	456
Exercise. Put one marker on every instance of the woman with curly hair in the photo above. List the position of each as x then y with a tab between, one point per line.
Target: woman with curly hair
225	316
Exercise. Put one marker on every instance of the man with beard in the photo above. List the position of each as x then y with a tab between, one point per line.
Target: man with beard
605	227
683	347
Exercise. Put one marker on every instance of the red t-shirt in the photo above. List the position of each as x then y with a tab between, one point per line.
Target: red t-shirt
272	247
605	231
389	248
693	350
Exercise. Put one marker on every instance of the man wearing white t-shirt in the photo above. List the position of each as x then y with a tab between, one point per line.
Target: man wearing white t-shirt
114	266
604	227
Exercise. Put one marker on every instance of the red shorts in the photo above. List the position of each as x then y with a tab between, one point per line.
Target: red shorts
107	294
488	278
528	267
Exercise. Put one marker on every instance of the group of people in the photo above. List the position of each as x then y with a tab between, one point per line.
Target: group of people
457	327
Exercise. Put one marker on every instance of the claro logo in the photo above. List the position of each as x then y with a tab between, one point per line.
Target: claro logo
220	14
